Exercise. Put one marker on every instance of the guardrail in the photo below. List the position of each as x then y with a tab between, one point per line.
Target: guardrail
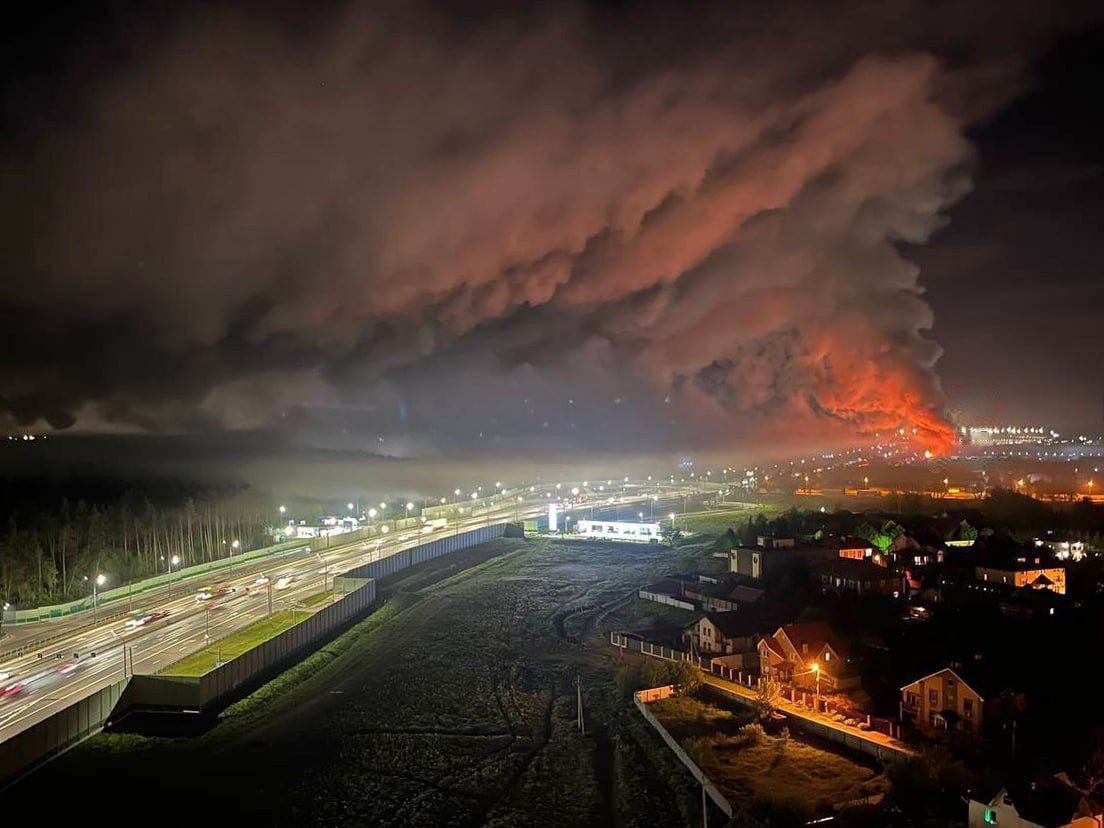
108	596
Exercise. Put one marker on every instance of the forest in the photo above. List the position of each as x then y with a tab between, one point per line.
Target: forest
54	536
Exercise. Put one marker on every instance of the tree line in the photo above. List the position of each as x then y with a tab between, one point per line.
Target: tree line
54	540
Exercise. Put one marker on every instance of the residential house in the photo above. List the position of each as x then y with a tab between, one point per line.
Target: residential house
853	548
722	597
803	654
1028	602
943	700
1033	568
723	633
774	542
758	563
861	576
1049	802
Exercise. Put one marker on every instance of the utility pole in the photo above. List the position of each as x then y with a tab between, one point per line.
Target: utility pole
270	596
579	703
705	807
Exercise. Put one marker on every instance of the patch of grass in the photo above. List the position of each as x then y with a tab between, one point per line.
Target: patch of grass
235	644
317	598
714	522
748	765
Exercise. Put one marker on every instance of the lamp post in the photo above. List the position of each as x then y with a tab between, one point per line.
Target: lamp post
325	572
97	582
7	606
173	561
816	672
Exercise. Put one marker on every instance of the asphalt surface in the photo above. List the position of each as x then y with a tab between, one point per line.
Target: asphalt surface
84	656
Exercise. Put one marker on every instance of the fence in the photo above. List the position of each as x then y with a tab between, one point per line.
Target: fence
27	750
663	598
53	735
426	552
808	703
641	699
205	693
108	596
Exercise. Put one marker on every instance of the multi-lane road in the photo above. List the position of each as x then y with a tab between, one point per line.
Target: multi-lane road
76	664
65	660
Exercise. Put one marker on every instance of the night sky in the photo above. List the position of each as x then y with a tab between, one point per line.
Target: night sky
416	227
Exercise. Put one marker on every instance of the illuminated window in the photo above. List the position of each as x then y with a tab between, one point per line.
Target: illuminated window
990	816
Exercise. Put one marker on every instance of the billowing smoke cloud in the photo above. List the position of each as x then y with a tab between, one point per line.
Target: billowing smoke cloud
593	227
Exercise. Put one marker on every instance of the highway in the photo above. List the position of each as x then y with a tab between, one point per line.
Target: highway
83	656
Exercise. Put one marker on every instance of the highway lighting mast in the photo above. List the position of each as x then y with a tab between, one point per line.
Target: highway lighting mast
97	582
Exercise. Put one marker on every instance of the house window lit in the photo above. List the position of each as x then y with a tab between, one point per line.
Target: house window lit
990	816
827	656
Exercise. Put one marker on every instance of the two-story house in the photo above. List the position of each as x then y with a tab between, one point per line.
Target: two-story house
943	700
806	655
722	633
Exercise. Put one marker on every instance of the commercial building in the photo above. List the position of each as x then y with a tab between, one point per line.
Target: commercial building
618	530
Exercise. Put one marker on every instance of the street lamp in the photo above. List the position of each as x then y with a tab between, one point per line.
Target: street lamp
283	509
816	672
97	582
410	507
349	506
372	512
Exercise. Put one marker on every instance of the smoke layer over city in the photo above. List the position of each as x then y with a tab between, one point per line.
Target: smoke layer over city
416	226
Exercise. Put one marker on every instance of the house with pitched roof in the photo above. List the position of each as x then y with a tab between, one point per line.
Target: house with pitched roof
1046	802
802	654
723	633
943	700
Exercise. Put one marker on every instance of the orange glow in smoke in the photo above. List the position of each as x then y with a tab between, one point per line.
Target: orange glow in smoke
875	399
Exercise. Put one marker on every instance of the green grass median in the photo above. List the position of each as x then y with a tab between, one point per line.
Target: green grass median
323	597
235	644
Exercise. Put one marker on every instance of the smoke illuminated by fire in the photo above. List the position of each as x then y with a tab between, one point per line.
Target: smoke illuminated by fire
523	231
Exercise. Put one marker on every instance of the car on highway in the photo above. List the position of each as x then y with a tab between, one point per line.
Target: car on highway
261	581
205	594
137	621
66	669
11	690
157	616
5	676
285	582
